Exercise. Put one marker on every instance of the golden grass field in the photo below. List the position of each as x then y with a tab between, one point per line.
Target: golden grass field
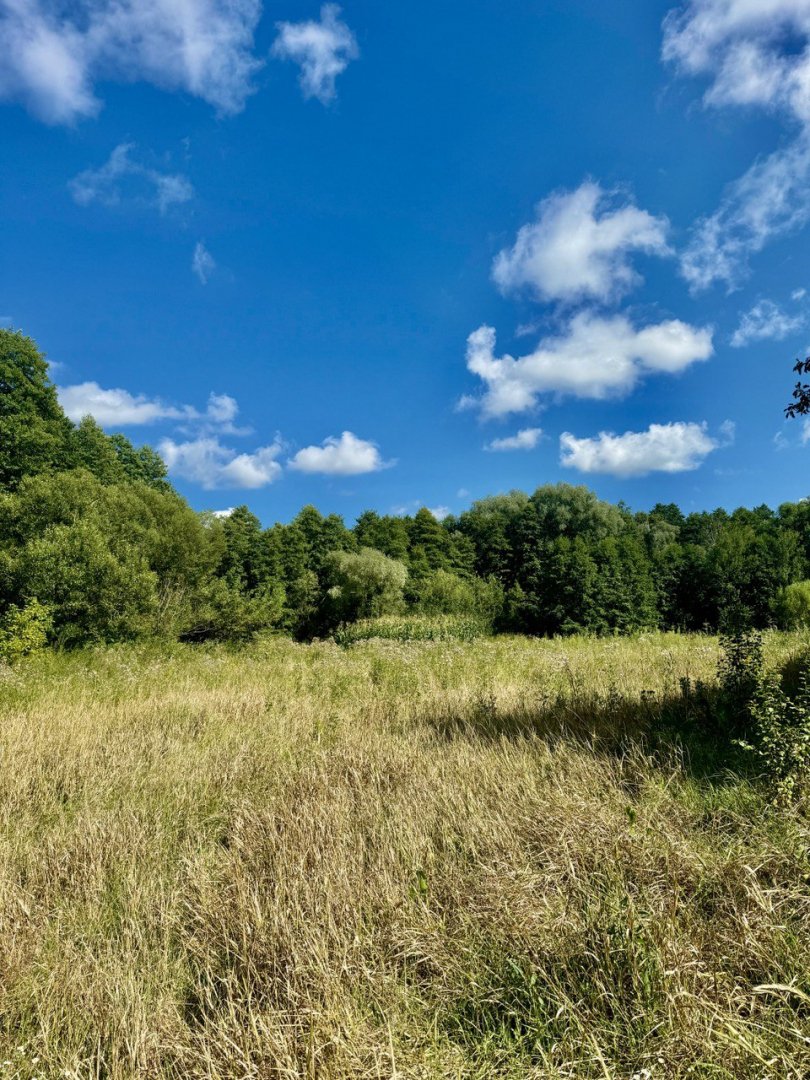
389	861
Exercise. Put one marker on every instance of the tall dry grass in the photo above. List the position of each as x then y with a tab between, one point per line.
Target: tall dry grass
422	860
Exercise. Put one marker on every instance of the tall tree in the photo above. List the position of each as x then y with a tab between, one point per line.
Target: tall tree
33	427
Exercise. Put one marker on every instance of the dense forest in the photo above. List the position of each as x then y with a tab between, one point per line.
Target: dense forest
96	546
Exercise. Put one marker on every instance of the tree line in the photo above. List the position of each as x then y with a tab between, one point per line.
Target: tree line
96	546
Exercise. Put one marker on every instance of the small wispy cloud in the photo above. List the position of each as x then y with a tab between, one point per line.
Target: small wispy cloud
122	179
526	439
771	200
203	263
323	50
766	320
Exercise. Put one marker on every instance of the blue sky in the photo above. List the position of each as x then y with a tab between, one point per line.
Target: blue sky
399	255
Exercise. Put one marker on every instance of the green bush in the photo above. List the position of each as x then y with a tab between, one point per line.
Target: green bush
363	584
445	593
224	613
740	675
780	738
24	630
793	606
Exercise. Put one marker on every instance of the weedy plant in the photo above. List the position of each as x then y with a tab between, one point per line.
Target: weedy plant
780	738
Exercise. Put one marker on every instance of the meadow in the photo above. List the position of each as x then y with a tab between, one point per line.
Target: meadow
465	859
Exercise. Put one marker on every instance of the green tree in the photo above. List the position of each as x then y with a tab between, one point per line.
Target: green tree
793	605
89	448
364	584
93	593
33	427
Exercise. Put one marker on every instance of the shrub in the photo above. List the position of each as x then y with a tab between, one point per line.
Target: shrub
793	606
445	593
780	738
23	630
224	613
364	584
740	675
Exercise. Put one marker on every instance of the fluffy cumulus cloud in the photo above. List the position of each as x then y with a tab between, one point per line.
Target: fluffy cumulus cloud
207	462
123	179
54	53
346	456
580	247
595	357
323	50
114	407
526	439
203	263
119	408
669	448
765	320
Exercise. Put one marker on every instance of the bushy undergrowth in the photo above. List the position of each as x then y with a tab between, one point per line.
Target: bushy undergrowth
403	859
412	628
24	630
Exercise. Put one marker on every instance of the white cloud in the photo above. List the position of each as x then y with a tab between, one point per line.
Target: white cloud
595	357
806	432
346	456
323	50
526	439
771	200
222	409
115	407
205	461
579	247
222	514
765	320
119	408
54	53
439	512
755	52
203	263
798	294
669	448
121	179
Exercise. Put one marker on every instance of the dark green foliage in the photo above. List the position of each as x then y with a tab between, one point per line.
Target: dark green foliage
33	427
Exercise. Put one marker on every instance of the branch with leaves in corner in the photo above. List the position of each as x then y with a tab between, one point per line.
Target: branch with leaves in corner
800	406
